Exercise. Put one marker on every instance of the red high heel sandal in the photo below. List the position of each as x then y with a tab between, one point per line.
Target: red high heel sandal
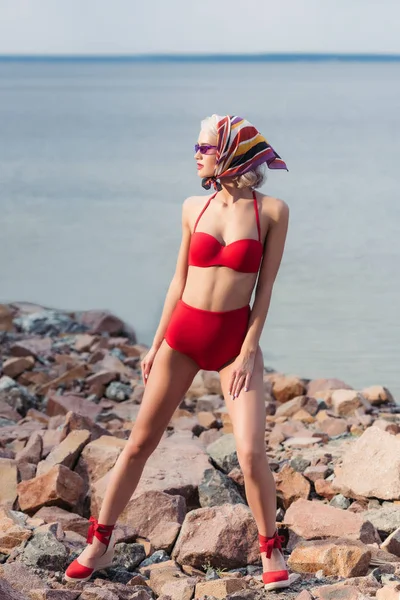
273	580
104	533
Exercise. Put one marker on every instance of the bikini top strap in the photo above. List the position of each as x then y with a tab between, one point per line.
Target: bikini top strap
257	215
204	208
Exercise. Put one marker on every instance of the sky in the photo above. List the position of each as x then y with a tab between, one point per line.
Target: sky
198	26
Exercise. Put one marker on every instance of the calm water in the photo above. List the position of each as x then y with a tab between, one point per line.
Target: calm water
96	159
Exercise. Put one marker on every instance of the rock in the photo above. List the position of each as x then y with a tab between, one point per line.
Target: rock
338	590
69	521
340	557
333	426
32	451
8	593
317	472
339	501
324	488
322	385
223	452
6	318
46	552
38	594
62	404
129	556
212	382
66	453
98	458
286	387
118	391
181	450
345	402
216	489
75	421
219	588
8	478
291	407
16	396
11	532
58	487
377	395
102	321
291	485
312	519
225	535
37	347
156	516
388	592
46	322
21	578
15	366
386	518
361	472
392	543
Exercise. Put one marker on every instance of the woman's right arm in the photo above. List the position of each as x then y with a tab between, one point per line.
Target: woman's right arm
175	289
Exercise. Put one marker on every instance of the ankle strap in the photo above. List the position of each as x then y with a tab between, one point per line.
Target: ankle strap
267	544
102	532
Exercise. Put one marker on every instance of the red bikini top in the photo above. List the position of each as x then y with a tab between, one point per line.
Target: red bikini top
242	255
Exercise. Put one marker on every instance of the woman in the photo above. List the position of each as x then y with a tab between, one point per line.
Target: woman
207	323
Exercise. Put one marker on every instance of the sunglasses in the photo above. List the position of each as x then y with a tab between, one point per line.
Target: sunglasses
204	148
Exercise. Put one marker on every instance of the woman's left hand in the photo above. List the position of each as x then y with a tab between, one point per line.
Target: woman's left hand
242	369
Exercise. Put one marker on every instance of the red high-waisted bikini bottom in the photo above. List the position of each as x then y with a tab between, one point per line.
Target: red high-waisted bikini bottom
210	338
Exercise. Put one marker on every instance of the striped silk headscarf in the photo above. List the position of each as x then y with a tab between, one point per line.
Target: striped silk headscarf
240	148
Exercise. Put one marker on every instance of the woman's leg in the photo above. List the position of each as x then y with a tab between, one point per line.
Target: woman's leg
169	379
248	414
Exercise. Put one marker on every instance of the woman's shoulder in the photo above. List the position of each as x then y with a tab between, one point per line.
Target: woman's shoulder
272	207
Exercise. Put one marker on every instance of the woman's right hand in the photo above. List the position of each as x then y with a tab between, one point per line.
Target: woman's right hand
147	363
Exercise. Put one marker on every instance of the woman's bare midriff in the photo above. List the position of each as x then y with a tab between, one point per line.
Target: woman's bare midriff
218	288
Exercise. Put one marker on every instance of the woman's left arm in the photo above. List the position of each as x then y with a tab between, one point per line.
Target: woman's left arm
273	252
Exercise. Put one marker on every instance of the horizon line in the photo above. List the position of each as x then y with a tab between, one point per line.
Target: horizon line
206	57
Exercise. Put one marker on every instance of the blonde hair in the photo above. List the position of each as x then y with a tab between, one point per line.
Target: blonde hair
254	178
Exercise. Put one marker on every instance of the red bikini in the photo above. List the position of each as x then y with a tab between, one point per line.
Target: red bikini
242	255
213	338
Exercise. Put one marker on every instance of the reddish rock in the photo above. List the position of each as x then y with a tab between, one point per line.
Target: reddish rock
7	412
312	519
67	452
340	557
392	543
345	402
225	535
32	451
75	421
315	472
62	404
377	394
8	478
78	372
100	321
286	387
322	385
324	488
338	591
12	534
291	407
361	472
69	521
26	471
98	458
35	347
219	588
15	366
157	516
59	487
333	426
6	318
291	485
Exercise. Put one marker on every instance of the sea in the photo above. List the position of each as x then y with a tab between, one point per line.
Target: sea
96	158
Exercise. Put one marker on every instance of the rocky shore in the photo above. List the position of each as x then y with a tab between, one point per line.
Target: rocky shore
70	390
